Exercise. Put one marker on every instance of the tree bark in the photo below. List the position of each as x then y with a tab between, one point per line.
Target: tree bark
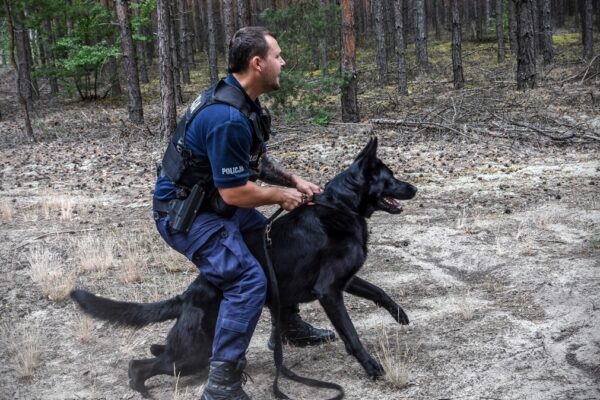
400	48
179	37
168	113
212	43
174	43
49	44
136	112
18	36
457	69
512	27
229	25
141	51
421	36
500	29
348	63
526	66
546	33
243	13
380	40
111	64
587	30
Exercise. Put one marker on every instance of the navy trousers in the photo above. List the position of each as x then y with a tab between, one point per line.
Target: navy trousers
216	246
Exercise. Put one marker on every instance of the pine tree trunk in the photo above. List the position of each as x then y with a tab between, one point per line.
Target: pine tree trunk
110	68
457	69
212	43
526	67
20	61
348	63
174	43
228	24
421	36
324	45
51	40
140	51
587	30
512	27
168	111
200	32
380	40
547	47
136	112
500	29
180	33
243	13
400	47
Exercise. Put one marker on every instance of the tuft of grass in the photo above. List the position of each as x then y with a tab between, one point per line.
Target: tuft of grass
7	210
395	358
47	272
23	346
133	257
466	310
86	328
95	253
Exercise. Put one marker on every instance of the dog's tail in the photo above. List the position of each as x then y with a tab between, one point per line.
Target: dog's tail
127	313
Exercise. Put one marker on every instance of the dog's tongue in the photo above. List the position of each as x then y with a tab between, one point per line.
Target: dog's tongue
393	202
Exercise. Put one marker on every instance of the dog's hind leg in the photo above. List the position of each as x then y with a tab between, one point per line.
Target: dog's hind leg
142	370
361	288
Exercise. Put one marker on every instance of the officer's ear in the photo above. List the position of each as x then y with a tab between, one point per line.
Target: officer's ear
255	64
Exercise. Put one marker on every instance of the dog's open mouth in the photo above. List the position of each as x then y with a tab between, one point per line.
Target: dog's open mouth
390	205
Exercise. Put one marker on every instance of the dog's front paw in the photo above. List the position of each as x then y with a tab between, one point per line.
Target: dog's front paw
398	314
373	368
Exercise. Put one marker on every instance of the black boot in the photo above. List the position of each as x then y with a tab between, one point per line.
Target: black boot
225	381
296	332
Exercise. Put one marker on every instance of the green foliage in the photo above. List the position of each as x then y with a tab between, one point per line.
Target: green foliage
146	7
301	32
81	49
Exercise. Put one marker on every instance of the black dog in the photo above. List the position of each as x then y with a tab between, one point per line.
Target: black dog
317	249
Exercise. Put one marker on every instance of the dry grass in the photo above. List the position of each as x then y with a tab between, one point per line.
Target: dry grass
395	358
86	328
466	310
23	347
130	270
7	210
48	273
95	253
58	205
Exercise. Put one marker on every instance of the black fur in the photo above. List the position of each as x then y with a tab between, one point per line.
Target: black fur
317	250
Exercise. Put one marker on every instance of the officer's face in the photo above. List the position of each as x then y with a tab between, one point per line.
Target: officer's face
272	65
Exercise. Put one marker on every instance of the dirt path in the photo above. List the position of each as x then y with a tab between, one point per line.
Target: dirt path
496	262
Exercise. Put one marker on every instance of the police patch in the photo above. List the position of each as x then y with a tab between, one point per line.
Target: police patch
232	170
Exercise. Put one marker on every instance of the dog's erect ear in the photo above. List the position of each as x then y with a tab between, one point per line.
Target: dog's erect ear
369	152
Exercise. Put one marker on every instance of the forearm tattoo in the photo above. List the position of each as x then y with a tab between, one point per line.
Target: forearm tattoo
273	173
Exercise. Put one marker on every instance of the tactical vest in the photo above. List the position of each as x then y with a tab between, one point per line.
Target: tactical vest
186	169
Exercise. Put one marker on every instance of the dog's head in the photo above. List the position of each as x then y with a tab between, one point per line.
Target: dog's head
377	188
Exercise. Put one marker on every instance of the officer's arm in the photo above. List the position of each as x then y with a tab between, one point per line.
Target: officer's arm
251	195
273	173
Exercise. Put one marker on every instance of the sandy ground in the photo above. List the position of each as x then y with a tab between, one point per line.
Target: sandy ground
496	262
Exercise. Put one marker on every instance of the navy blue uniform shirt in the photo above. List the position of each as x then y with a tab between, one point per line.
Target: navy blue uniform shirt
224	135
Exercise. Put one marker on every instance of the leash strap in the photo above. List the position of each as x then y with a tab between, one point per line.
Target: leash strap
276	311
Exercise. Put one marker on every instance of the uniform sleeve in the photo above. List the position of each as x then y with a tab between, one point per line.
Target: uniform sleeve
228	149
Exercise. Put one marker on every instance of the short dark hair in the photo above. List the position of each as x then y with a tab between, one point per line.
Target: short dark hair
246	43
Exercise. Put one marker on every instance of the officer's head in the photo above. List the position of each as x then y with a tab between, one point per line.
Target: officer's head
255	48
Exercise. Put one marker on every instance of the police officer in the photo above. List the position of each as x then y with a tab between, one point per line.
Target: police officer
223	141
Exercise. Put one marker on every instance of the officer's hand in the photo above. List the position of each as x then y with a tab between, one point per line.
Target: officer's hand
291	198
306	187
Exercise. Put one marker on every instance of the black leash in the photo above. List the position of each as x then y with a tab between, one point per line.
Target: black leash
276	310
